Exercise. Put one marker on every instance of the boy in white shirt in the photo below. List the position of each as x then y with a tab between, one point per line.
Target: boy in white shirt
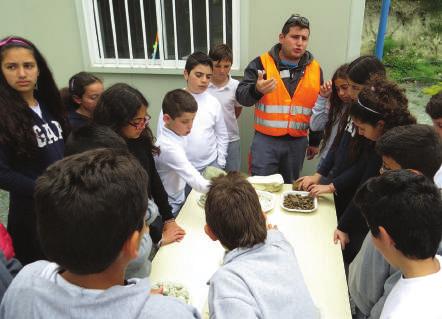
403	212
207	142
179	110
223	87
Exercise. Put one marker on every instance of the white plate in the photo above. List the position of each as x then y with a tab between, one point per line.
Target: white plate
315	202
267	200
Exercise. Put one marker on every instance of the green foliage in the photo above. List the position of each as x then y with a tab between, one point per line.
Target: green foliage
433	90
405	64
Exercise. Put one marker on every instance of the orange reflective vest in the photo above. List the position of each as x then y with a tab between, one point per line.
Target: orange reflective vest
277	113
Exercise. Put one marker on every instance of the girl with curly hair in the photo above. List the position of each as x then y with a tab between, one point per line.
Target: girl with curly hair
380	106
32	130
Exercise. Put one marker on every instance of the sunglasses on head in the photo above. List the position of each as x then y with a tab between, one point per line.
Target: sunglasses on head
140	123
298	20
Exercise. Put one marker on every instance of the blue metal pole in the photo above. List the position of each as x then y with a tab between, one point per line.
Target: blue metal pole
382	29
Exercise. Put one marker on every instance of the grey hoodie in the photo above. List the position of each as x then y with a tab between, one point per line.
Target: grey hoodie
261	282
39	291
371	279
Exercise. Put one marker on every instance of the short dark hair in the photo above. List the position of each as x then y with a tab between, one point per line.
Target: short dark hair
221	52
295	20
233	212
415	146
408	206
434	106
197	58
92	136
87	206
364	67
177	102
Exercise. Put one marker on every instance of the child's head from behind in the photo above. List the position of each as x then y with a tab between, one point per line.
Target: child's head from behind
361	70
179	110
380	106
88	207
93	136
403	212
198	72
222	62
233	213
415	146
434	109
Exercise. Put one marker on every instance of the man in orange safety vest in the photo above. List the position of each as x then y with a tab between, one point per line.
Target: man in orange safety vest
283	84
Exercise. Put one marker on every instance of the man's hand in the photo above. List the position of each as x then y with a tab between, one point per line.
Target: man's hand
341	237
172	233
265	86
326	89
312	151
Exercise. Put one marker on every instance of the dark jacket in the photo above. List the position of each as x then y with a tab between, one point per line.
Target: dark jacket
247	95
18	178
139	148
77	120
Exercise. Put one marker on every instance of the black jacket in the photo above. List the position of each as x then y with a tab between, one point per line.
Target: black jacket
139	148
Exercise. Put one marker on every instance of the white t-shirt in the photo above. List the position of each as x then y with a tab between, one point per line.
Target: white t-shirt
438	178
414	298
226	96
208	138
37	110
175	170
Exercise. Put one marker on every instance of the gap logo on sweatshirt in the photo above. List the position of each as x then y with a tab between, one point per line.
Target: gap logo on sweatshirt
45	135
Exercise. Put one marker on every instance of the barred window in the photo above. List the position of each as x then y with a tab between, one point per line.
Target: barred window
157	33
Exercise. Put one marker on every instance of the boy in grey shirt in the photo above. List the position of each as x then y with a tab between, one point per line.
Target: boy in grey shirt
260	276
90	212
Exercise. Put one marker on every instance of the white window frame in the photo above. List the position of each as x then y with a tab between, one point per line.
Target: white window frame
93	48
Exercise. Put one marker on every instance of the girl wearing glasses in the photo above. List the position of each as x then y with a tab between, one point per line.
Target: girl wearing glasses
124	109
32	130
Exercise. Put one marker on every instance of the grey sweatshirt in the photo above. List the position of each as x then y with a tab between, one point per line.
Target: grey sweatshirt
371	279
261	282
39	291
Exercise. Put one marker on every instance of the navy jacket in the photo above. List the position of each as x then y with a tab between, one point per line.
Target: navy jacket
18	176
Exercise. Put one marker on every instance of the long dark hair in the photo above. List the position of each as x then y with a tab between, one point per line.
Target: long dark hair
77	86
117	106
16	117
336	104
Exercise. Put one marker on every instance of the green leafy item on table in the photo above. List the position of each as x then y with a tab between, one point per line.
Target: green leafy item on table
174	290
